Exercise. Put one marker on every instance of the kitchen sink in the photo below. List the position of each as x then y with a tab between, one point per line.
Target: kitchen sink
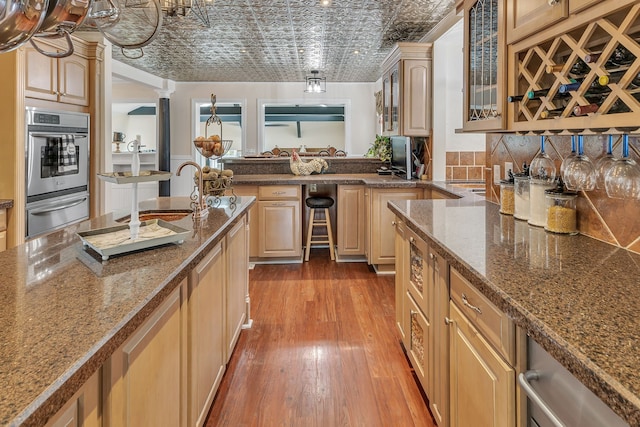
165	215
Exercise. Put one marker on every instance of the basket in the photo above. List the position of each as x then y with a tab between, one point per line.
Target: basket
215	186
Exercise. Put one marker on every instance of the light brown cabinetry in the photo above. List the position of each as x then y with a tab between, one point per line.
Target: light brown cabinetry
251	190
576	6
407	91
422	305
525	17
142	379
351	221
381	248
56	79
482	356
237	285
82	409
484	66
205	344
279	221
3	229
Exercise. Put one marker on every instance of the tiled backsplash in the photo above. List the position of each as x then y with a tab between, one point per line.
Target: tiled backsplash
465	165
614	221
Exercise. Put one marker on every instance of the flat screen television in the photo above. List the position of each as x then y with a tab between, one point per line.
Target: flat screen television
401	156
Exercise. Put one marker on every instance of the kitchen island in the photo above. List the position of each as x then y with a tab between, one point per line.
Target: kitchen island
65	312
574	295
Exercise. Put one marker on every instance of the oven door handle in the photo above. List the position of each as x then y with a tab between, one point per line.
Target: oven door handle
57	207
49	135
524	379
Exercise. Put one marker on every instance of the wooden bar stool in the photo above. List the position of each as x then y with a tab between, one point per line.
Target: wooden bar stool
319	203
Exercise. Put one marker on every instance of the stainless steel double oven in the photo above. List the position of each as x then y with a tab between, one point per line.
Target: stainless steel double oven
57	169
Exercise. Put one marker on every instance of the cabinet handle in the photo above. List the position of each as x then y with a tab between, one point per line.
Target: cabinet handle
466	302
412	240
431	256
393	223
553	2
448	321
278	193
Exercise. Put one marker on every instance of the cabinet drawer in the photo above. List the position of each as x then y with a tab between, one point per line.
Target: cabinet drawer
492	322
276	192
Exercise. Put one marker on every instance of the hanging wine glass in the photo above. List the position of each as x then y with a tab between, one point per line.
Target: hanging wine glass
542	168
580	174
567	160
622	180
604	163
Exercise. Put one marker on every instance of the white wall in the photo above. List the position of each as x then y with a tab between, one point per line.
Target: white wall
448	101
145	126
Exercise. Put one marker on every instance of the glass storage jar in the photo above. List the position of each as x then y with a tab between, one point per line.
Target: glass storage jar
521	197
561	211
507	195
537	202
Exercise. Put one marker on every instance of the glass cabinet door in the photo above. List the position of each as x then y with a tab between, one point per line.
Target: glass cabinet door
484	65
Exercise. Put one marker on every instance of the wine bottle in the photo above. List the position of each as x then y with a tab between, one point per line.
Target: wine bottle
556	112
582	110
616	76
515	98
536	94
620	56
570	87
577	70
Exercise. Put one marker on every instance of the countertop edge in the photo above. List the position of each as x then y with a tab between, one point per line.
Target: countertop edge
52	399
610	391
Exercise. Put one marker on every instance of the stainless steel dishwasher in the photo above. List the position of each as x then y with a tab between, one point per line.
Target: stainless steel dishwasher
557	399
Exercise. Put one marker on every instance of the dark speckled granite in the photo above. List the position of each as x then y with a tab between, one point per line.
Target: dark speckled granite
64	311
6	203
576	296
369	179
280	165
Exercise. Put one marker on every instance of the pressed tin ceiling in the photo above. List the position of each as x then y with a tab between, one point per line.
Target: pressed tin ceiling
283	40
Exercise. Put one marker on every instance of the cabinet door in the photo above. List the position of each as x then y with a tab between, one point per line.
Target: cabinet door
206	337
237	284
280	228
439	400
482	384
525	17
396	102
41	75
419	273
400	280
73	80
386	104
382	230
420	338
351	220
484	66
251	190
416	106
143	375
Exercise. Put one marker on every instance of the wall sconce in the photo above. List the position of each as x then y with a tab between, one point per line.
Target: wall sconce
314	83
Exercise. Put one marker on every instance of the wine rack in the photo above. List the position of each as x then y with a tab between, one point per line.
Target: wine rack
586	79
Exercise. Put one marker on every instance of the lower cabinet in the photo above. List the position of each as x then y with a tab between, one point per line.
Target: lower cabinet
351	221
3	229
205	338
237	285
142	379
254	243
381	250
482	384
279	228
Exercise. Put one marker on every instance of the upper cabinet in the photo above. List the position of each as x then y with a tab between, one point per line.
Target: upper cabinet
56	79
406	90
525	17
580	74
484	66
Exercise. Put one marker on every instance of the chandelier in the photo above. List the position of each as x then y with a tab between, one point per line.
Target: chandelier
314	83
173	8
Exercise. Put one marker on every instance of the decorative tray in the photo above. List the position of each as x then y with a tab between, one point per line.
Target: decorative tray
117	239
127	177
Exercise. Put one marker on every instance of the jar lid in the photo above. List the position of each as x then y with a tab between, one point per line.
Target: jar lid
525	172
508	181
560	192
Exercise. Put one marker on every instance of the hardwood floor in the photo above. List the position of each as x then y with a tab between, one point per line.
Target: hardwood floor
323	351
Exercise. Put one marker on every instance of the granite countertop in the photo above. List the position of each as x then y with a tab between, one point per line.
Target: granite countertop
64	311
6	203
576	296
370	179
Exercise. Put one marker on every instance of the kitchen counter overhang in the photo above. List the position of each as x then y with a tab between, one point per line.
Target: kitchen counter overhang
64	311
574	295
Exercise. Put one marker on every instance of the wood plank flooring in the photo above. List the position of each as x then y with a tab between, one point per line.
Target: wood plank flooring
323	351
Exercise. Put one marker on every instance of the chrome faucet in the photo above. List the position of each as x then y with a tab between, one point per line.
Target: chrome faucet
199	200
